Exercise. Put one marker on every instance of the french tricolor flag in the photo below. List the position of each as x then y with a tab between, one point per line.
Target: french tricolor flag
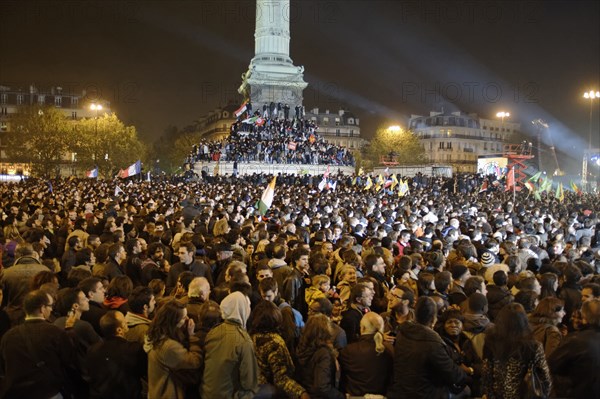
92	174
133	170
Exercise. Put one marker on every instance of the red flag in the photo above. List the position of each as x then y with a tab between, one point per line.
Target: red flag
291	146
484	186
510	179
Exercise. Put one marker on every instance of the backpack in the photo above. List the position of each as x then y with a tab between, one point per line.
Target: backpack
477	340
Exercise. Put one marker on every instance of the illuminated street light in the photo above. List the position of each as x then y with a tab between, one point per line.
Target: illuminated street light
502	115
394	128
97	108
591	95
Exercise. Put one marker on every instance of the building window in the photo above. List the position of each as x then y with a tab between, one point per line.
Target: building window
449	145
337	121
431	145
441	145
485	146
74	101
74	115
58	101
3	98
41	99
3	111
337	132
351	121
326	120
19	99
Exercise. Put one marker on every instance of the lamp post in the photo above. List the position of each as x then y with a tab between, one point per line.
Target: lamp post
591	95
502	115
97	108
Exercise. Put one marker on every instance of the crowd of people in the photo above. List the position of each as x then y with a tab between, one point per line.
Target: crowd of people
185	290
276	139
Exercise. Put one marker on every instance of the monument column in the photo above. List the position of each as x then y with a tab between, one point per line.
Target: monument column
272	76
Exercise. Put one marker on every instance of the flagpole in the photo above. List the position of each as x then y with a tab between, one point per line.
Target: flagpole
514	187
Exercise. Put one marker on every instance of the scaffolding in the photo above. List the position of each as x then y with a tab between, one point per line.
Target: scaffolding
516	156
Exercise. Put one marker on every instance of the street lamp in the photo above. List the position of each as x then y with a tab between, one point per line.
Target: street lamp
591	95
97	108
394	128
502	115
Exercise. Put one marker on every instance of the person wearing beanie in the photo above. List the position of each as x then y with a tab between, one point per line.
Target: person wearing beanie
487	260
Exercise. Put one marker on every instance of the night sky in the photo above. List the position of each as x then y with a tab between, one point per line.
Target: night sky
169	62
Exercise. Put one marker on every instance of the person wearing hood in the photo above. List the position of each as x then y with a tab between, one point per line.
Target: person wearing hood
422	366
230	369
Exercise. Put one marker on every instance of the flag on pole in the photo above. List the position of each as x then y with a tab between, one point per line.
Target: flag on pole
510	179
241	110
529	186
575	188
267	198
322	184
387	171
560	194
484	187
394	181
118	190
92	173
250	120
132	170
369	183
546	185
403	188
535	177
326	174
361	171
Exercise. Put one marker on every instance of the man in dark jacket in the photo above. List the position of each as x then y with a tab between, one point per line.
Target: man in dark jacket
361	297
575	362
188	262
422	366
296	283
36	357
116	366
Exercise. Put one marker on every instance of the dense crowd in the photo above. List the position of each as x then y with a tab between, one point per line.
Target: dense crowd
272	140
183	290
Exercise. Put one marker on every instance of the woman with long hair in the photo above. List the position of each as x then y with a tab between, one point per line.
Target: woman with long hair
544	320
172	348
549	284
316	359
509	352
273	358
366	365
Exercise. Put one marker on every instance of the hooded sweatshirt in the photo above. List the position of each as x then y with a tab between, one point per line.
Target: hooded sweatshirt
236	306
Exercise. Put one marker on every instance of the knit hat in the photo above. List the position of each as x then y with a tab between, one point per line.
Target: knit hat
487	259
458	271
